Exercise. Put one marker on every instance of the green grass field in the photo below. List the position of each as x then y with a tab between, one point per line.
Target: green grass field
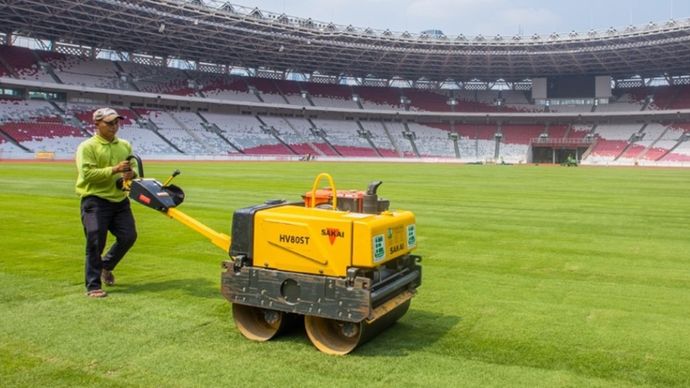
533	276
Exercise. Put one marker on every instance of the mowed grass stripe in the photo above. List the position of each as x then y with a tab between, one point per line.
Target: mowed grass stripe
533	276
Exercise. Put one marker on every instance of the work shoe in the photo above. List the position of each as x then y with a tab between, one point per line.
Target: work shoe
107	277
96	293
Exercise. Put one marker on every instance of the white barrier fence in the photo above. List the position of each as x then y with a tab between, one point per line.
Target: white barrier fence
7	155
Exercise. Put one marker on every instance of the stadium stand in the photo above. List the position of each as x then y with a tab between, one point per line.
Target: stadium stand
378	98
427	101
145	141
292	138
570	108
397	131
476	101
432	141
40	124
345	138
179	134
95	73
8	147
520	134
578	131
232	89
335	96
268	90
381	138
26	110
557	131
246	132
617	131
659	139
624	102
17	61
154	79
613	140
680	154
306	130
682	99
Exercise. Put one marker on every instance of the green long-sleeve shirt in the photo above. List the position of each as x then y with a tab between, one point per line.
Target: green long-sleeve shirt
95	159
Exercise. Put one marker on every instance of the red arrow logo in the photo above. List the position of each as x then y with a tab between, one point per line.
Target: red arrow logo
332	234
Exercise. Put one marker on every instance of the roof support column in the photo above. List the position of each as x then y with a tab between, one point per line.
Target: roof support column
669	79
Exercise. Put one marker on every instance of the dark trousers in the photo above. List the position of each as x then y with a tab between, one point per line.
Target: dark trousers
98	217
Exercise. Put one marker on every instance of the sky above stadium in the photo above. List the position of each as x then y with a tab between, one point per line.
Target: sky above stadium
486	17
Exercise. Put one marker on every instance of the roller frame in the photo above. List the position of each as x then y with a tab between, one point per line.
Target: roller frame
343	299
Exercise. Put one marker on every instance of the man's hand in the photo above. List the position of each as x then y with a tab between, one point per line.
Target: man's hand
123	166
127	175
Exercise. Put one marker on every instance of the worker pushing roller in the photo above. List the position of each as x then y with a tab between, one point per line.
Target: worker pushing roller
341	259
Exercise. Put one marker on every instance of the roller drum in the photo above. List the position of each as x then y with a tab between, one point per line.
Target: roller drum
339	337
258	324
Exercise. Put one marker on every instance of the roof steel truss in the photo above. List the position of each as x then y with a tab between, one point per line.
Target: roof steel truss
191	31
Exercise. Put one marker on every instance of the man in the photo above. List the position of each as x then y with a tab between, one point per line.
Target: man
101	161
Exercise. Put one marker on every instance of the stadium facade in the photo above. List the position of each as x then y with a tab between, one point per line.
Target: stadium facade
596	82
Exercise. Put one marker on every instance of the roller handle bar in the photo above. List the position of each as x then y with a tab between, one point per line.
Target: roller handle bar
140	165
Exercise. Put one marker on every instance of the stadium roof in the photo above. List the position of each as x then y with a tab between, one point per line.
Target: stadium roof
229	34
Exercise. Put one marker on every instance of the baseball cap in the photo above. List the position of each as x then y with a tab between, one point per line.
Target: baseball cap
107	114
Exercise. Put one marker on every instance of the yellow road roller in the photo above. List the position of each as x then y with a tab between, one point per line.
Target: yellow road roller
338	258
